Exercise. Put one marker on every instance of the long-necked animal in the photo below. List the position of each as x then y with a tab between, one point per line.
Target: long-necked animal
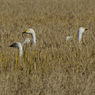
20	46
81	30
32	32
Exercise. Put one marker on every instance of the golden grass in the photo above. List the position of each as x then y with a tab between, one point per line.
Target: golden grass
54	66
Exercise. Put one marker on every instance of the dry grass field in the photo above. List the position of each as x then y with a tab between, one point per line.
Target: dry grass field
54	66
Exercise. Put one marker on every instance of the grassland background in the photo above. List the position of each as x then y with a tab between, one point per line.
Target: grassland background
54	66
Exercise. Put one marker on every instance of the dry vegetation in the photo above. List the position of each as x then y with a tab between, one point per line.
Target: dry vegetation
54	66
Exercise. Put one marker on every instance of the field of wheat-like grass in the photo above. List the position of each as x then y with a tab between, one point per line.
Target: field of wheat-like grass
54	66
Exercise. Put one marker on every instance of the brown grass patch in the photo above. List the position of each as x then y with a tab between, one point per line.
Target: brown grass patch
54	66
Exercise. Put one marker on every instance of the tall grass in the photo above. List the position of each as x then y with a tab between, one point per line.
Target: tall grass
54	66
